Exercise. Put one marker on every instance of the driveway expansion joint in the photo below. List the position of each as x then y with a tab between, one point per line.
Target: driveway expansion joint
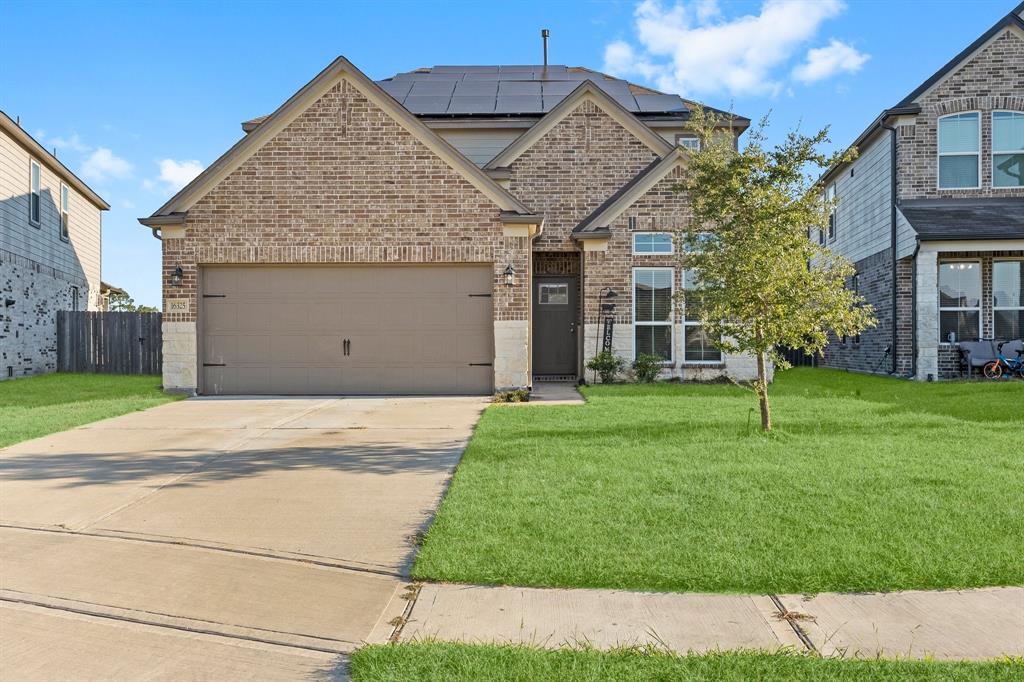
793	618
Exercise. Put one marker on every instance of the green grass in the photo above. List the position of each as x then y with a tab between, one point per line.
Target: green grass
36	406
439	662
868	483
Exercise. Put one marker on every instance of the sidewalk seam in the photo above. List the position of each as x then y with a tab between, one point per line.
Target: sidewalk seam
793	624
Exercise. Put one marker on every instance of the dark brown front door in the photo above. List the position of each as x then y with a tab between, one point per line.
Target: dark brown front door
554	325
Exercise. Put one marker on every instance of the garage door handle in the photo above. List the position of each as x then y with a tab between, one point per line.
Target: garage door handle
346	347
480	364
215	364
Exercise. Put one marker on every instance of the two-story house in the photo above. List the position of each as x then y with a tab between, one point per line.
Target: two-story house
455	229
50	225
932	214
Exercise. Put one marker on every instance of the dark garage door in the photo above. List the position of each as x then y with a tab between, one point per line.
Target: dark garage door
307	330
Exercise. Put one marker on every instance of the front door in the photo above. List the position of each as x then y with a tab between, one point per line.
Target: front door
554	325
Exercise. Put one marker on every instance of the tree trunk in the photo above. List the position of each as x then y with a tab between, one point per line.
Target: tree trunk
761	388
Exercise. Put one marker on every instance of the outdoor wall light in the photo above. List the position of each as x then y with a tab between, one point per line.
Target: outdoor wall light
510	276
176	276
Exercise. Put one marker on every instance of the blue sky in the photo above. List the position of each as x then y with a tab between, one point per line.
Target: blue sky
139	96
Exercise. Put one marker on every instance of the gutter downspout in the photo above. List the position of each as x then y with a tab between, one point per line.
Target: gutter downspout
156	235
892	239
913	309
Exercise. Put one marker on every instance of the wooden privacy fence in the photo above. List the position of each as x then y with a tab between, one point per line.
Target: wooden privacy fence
109	343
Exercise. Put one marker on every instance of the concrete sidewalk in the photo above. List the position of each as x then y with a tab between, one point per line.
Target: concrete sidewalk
948	625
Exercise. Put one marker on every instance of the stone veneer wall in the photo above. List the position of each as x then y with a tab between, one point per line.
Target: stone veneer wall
28	328
344	183
868	354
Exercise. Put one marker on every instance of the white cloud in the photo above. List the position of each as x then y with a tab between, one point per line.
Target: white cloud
177	174
824	62
103	164
73	143
690	48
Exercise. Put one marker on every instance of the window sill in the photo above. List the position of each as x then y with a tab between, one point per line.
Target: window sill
708	364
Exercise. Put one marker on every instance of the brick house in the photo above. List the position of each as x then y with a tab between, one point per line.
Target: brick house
447	230
50	255
932	214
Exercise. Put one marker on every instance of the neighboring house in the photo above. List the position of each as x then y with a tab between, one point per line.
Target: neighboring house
448	230
932	214
49	250
108	290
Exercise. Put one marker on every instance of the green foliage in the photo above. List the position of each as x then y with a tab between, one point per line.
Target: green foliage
123	303
518	395
663	487
646	368
761	282
608	365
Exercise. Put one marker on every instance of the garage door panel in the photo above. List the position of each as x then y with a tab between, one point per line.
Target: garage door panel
412	329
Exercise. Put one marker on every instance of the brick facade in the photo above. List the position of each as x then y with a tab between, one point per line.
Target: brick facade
867	353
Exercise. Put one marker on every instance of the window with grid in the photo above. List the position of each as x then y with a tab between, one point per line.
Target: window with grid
959	301
652	312
960	151
830	197
697	344
65	211
1008	149
652	243
690	142
1008	299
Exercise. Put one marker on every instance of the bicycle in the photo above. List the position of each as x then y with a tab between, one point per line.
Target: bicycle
1003	366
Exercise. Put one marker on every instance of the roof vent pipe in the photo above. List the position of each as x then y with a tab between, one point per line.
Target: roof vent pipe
545	34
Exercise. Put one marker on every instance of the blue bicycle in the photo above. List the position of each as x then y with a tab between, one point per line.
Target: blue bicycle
1003	366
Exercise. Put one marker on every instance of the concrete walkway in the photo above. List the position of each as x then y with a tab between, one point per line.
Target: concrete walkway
219	538
973	624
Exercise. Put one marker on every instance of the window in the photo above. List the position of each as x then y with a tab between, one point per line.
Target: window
65	211
1008	299
856	289
695	244
697	346
553	294
652	312
74	298
959	157
830	198
959	301
652	243
1007	149
33	197
690	142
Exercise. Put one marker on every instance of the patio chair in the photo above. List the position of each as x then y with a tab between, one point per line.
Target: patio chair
977	354
1012	349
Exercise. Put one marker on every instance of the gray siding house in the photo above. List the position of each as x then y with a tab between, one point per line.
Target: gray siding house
932	214
50	256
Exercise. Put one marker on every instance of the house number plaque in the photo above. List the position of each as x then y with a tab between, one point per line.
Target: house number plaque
176	305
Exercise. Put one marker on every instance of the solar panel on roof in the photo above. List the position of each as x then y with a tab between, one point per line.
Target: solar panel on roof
558	88
512	88
477	89
513	68
471	105
465	69
519	104
445	87
427	104
398	89
660	103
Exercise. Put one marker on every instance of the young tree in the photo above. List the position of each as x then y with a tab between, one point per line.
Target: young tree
759	281
122	302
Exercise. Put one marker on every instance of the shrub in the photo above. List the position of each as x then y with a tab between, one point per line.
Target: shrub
518	395
646	368
608	365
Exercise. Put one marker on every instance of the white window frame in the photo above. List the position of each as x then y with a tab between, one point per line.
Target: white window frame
830	195
942	308
65	213
36	192
992	156
1019	308
687	136
686	322
671	242
939	154
671	323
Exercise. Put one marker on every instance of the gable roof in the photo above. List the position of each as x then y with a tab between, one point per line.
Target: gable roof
587	91
175	210
908	105
18	134
599	222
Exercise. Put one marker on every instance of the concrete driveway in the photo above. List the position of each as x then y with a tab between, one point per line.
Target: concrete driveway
244	538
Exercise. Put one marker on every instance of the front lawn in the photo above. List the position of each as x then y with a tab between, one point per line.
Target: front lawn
439	662
868	483
35	406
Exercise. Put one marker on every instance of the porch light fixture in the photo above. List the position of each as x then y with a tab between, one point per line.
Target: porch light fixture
510	276
176	276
